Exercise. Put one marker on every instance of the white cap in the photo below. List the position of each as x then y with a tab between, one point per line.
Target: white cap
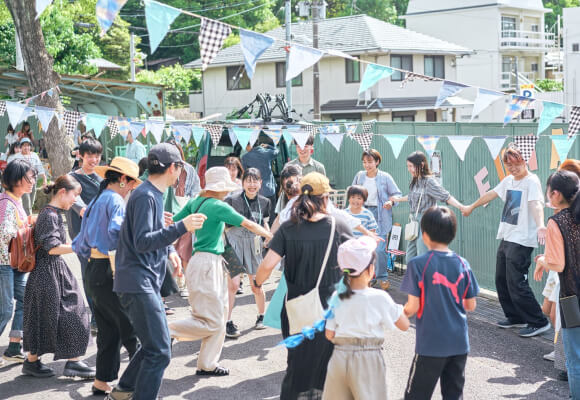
356	254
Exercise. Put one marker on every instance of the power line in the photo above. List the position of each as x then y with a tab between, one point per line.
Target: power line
201	10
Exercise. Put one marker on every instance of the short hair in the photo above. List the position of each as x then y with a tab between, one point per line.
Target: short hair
90	146
14	173
86	136
252	173
440	224
513	155
289	171
372	153
357	190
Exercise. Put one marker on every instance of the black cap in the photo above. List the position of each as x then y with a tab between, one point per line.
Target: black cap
164	154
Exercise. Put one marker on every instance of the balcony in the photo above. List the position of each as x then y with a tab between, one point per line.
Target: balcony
508	80
512	39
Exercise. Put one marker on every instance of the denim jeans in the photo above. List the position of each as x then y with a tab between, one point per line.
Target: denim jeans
571	339
381	267
12	285
145	370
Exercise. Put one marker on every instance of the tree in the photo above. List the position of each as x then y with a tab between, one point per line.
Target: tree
180	81
557	6
38	66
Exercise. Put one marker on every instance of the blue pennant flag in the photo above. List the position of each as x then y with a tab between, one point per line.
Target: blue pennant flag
563	145
96	122
244	135
158	17
549	113
448	89
253	46
197	133
137	128
44	115
373	74
396	142
107	11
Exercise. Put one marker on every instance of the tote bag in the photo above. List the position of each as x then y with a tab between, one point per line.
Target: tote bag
412	227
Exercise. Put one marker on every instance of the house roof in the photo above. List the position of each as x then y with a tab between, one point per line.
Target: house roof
358	34
390	104
101	63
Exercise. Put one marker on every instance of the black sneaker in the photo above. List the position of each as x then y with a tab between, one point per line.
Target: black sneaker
563	376
506	323
232	330
118	394
14	354
530	331
78	369
36	369
259	323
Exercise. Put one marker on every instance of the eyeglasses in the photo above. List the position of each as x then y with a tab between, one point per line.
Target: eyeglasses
179	164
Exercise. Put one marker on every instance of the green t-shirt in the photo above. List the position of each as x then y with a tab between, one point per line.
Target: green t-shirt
218	213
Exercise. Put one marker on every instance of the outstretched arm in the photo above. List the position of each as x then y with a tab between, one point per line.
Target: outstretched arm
486	198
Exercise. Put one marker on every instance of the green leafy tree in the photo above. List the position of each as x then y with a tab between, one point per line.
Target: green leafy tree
557	6
178	80
549	85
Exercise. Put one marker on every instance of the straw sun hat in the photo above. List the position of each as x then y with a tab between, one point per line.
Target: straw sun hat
123	166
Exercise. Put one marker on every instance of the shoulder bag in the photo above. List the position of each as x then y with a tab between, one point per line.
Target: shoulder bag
21	247
306	309
412	227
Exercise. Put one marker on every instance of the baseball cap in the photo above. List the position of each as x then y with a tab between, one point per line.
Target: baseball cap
315	184
356	254
164	154
25	140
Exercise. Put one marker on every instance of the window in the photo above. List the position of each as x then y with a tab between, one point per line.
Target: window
431	116
403	116
535	28
281	76
346	117
575	47
401	62
435	66
508	26
352	71
237	78
534	67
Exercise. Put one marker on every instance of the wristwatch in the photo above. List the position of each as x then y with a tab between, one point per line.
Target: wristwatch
256	284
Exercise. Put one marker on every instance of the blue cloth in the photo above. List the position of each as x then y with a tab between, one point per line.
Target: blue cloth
12	285
367	220
145	370
144	242
272	316
253	45
386	187
442	330
571	340
381	270
100	225
261	157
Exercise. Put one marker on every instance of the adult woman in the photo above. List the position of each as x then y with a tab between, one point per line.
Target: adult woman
234	166
18	178
303	241
381	188
25	132
97	242
27	154
424	191
11	137
55	317
562	255
247	245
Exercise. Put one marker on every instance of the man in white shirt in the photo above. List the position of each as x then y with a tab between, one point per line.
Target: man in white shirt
521	227
135	149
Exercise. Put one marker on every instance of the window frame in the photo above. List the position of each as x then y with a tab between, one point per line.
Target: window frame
399	76
242	70
346	70
434	58
296	81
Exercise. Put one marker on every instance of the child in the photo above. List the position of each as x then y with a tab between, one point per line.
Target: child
441	288
357	369
356	196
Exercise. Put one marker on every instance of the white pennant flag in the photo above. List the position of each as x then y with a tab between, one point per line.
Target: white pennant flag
41	6
233	137
301	137
156	128
494	144
15	112
44	115
460	144
335	139
301	58
483	100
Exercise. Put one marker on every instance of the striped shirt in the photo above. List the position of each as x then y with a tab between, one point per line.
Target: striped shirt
367	220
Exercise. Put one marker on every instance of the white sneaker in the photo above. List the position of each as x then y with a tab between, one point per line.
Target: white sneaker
550	356
184	293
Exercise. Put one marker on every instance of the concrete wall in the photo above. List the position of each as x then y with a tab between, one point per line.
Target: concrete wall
571	59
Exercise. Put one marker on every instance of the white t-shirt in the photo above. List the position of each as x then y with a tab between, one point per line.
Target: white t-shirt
517	223
11	138
366	314
371	186
351	221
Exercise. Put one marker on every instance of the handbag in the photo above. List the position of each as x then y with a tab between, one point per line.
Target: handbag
21	247
306	309
570	311
412	227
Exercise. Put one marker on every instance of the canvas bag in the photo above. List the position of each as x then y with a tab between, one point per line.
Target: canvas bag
306	309
21	247
412	227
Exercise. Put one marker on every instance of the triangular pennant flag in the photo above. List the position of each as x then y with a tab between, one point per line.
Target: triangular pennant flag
429	143
113	128
41	6
181	131
300	137
71	120
197	133
332	128
350	128
301	58
460	144
274	133
287	136
186	134
211	38
373	74
44	115
563	145
396	142
494	144
526	144
335	139
574	121
244	135
448	89
363	138
367	127
137	129
215	133
483	100
2	108
124	127
156	128
233	137
15	111
253	46
28	111
515	107
549	113
158	18
107	11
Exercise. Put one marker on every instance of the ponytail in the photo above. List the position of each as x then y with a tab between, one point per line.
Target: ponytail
65	182
307	205
347	290
110	177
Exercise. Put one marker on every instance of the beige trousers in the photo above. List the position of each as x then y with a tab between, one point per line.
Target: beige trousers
207	285
356	371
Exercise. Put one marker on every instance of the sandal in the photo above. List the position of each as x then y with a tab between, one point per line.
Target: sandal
169	310
218	371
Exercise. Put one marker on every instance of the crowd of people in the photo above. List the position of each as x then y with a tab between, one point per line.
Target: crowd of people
144	219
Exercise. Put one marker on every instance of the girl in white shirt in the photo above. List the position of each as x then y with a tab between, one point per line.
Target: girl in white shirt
357	369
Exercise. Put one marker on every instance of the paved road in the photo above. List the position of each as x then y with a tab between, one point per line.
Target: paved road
501	364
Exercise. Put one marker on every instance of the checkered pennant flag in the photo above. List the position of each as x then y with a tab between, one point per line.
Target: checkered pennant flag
313	129
215	132
113	127
411	76
526	145
211	38
2	108
71	120
574	121
365	137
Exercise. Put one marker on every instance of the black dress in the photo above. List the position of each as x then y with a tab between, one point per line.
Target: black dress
55	318
304	245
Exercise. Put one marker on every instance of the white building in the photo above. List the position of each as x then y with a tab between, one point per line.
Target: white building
503	34
571	35
226	86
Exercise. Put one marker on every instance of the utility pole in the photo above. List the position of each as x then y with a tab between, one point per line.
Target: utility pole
517	82
132	55
288	22
315	68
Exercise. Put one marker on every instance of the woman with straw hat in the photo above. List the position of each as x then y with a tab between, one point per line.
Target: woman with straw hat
97	242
